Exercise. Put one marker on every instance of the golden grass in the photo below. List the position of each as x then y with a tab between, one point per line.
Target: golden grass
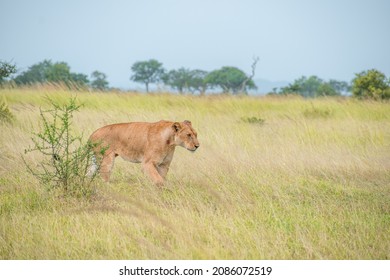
311	182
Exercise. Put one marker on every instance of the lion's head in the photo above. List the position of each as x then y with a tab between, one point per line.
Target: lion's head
185	135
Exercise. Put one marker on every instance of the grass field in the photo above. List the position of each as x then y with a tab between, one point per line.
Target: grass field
274	178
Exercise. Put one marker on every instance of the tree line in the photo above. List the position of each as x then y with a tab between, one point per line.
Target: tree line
228	79
57	72
314	87
366	84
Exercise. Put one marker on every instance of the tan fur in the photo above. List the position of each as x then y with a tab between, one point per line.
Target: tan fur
151	144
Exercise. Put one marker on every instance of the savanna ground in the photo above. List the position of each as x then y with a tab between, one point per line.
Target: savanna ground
274	178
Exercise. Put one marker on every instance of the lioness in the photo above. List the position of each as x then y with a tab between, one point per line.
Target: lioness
152	144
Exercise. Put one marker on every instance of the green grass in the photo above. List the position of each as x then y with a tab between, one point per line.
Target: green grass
274	178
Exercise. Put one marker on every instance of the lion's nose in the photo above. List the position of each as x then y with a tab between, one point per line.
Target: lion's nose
196	146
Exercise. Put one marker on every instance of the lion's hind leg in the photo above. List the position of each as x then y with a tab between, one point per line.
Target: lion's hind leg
106	165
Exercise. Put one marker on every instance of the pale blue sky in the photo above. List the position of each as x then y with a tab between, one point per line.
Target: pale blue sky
331	39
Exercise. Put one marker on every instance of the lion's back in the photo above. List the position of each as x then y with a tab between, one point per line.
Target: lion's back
131	140
120	134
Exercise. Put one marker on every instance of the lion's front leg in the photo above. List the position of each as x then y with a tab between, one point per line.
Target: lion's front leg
164	166
151	169
163	169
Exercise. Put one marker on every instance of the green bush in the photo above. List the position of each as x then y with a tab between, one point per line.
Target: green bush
66	159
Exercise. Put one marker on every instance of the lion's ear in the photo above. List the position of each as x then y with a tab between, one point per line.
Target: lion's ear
176	126
187	122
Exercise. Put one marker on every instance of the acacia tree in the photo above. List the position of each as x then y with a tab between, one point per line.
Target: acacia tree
184	79
230	79
147	72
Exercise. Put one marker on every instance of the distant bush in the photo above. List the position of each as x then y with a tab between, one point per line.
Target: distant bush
66	159
314	112
253	120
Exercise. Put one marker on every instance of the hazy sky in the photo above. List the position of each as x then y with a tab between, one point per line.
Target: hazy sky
328	38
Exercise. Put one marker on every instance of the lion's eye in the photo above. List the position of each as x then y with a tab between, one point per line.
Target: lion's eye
189	135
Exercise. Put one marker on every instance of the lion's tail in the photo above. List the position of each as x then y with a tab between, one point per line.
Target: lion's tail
93	168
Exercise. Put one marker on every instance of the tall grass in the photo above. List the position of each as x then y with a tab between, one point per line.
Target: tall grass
309	181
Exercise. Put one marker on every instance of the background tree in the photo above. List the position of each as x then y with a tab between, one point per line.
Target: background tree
326	89
6	69
293	88
34	74
46	71
371	84
79	79
99	81
309	86
178	79
340	86
315	87
230	79
147	72
60	72
197	81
